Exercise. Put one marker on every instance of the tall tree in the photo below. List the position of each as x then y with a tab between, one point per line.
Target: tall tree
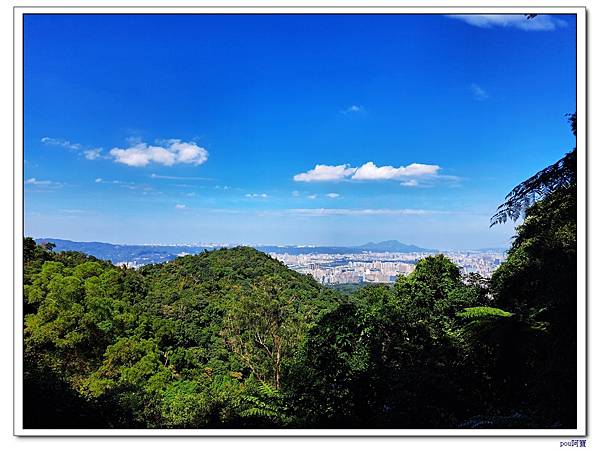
263	326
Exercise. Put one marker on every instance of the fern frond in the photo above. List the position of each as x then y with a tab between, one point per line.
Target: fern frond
561	174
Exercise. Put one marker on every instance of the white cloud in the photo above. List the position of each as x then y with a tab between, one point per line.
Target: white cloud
323	172
295	193
92	154
478	92
168	153
36	182
180	206
312	196
263	195
369	171
98	180
332	195
57	142
519	21
353	109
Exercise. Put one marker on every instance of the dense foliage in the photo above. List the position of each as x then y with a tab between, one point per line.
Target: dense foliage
232	338
199	341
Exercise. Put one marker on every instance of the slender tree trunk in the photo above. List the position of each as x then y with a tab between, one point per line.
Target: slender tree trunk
277	361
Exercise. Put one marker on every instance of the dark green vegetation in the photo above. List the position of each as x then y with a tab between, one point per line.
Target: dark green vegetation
232	338
346	288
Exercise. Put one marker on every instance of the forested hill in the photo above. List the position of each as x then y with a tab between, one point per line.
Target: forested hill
183	343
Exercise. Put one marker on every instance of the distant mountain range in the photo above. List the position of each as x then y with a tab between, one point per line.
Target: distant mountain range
149	254
392	246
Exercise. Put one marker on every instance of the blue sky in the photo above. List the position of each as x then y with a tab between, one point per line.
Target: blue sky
330	129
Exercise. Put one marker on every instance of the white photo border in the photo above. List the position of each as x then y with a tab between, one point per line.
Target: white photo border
286	8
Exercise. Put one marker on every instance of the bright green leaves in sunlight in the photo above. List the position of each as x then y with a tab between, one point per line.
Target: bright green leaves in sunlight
483	312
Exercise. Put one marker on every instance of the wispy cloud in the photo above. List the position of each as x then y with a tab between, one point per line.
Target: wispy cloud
321	212
353	109
166	153
410	183
173	177
93	153
263	195
58	142
87	153
311	196
367	172
519	21
332	195
335	212
73	211
478	92
47	183
180	206
127	185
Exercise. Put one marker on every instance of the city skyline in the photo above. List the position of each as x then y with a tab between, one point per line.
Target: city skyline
289	130
379	262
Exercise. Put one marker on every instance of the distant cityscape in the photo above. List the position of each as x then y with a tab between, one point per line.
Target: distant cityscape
380	262
381	267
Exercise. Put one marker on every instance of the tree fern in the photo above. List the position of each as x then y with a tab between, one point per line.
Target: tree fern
266	403
561	174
